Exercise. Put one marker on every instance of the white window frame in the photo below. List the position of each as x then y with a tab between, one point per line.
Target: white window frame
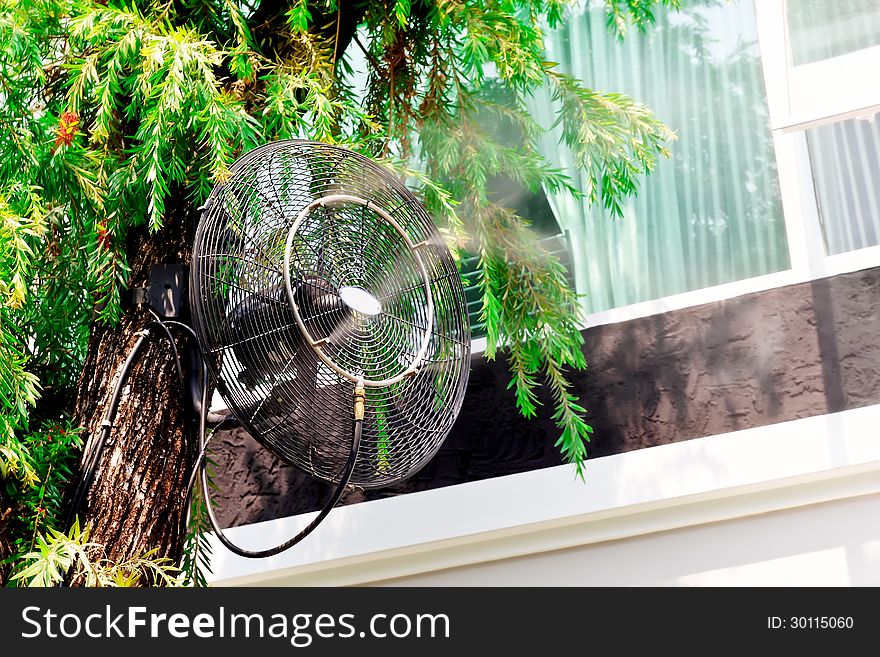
819	92
803	97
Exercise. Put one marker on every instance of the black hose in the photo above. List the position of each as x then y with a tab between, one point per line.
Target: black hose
195	384
186	327
203	453
175	354
93	449
328	506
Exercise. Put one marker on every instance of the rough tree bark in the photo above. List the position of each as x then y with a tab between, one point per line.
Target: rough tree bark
136	500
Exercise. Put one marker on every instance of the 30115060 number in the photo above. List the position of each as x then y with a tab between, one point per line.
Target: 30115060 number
810	623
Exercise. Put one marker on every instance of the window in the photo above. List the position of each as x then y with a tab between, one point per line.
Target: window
819	29
510	193
820	59
820	62
775	176
845	162
712	213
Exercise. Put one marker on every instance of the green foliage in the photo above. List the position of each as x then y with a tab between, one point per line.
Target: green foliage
470	89
114	114
638	12
196	563
60	556
615	140
50	454
298	16
22	224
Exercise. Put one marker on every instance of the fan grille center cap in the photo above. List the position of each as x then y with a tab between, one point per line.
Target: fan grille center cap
359	300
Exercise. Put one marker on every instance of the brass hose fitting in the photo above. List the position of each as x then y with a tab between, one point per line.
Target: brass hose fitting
359	398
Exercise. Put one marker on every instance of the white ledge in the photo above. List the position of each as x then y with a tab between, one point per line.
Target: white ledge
720	477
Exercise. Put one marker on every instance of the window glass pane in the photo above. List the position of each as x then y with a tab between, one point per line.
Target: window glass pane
820	29
845	158
710	214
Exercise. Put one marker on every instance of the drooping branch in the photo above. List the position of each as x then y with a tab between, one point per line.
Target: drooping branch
270	30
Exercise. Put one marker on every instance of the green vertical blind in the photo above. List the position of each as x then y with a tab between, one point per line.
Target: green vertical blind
712	213
845	160
821	29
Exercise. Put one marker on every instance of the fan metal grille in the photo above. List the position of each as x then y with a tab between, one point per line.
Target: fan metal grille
291	397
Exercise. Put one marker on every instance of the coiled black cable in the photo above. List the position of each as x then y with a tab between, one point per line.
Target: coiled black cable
201	467
94	448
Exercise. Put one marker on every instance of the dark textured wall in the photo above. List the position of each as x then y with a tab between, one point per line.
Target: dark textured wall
758	359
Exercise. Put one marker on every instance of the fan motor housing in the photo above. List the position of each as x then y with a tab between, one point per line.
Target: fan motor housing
315	270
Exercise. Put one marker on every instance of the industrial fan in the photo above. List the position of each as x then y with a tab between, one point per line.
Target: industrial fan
330	316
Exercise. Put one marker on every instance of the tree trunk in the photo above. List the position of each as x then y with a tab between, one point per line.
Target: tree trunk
135	501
